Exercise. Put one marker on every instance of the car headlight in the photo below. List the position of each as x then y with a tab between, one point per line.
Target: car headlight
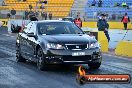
18	41
94	45
55	46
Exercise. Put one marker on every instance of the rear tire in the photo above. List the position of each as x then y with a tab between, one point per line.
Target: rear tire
19	58
40	62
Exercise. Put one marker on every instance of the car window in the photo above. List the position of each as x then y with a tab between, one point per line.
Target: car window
58	28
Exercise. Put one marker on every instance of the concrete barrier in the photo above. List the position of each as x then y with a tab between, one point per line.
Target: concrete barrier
113	25
124	48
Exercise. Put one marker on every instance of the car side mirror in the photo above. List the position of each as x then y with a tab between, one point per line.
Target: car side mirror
31	35
25	27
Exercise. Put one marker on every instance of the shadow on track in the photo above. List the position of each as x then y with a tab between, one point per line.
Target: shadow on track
61	68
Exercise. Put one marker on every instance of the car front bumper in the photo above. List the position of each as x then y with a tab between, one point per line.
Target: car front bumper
66	57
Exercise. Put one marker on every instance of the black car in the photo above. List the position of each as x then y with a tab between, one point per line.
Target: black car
57	42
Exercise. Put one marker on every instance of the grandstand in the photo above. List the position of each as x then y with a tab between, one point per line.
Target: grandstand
78	6
62	8
59	8
108	7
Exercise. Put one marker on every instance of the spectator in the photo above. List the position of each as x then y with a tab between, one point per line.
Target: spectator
42	6
36	7
85	17
113	16
13	13
100	3
98	15
116	4
103	26
124	4
50	16
78	13
93	3
3	3
130	7
30	14
8	15
33	18
44	15
94	15
45	2
39	1
1	23
30	7
26	14
125	20
36	13
78	21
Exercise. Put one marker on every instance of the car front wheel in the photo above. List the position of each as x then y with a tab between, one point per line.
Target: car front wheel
94	65
40	63
19	58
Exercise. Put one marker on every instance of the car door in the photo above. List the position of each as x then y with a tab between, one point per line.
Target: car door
23	41
31	42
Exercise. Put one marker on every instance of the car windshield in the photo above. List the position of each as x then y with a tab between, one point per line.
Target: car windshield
51	28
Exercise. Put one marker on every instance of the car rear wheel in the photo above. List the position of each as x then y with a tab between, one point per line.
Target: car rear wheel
94	65
41	63
19	58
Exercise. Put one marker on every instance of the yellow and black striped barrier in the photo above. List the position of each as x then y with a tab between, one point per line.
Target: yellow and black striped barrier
124	48
112	25
4	21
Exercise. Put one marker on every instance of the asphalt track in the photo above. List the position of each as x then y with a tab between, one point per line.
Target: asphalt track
26	75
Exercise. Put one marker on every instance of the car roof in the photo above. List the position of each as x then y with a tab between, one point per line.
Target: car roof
47	21
68	17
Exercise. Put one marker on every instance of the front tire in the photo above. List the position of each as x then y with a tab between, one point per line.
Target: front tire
19	58
94	65
40	62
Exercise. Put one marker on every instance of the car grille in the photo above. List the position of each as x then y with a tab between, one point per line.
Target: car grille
81	46
78	58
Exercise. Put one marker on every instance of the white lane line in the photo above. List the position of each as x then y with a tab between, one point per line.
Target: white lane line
123	58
